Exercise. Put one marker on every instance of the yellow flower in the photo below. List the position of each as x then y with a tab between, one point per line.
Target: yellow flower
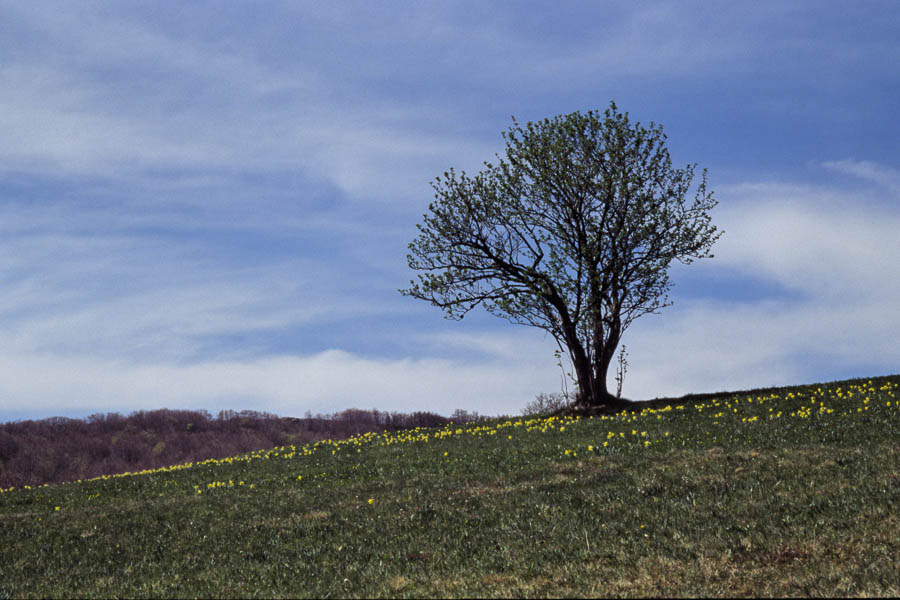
371	500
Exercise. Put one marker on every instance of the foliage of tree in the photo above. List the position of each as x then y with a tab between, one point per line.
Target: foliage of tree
572	231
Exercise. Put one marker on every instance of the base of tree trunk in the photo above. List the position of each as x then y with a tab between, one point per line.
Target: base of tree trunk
608	405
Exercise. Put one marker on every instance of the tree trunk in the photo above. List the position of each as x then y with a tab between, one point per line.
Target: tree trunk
592	390
591	378
601	395
586	386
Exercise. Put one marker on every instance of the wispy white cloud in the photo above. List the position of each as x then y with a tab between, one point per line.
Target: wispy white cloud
117	98
114	294
822	241
873	172
510	345
325	382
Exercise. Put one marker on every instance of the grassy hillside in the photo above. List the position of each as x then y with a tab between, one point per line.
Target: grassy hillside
793	491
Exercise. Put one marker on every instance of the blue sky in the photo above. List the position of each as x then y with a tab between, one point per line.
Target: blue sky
206	205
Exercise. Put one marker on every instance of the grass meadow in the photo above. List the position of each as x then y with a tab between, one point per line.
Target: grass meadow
778	492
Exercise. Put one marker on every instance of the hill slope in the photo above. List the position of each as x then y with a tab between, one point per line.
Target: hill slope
790	492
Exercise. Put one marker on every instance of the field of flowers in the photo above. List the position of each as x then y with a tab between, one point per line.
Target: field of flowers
791	491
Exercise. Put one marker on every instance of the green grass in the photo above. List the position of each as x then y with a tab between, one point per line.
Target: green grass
786	492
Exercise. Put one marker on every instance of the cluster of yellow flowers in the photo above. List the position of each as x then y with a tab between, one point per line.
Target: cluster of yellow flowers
212	485
26	487
612	436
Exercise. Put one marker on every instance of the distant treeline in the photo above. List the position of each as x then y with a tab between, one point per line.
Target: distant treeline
62	449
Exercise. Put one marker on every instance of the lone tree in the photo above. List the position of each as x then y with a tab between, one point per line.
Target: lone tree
572	232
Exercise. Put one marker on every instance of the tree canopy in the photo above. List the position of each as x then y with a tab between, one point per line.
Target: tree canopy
572	231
